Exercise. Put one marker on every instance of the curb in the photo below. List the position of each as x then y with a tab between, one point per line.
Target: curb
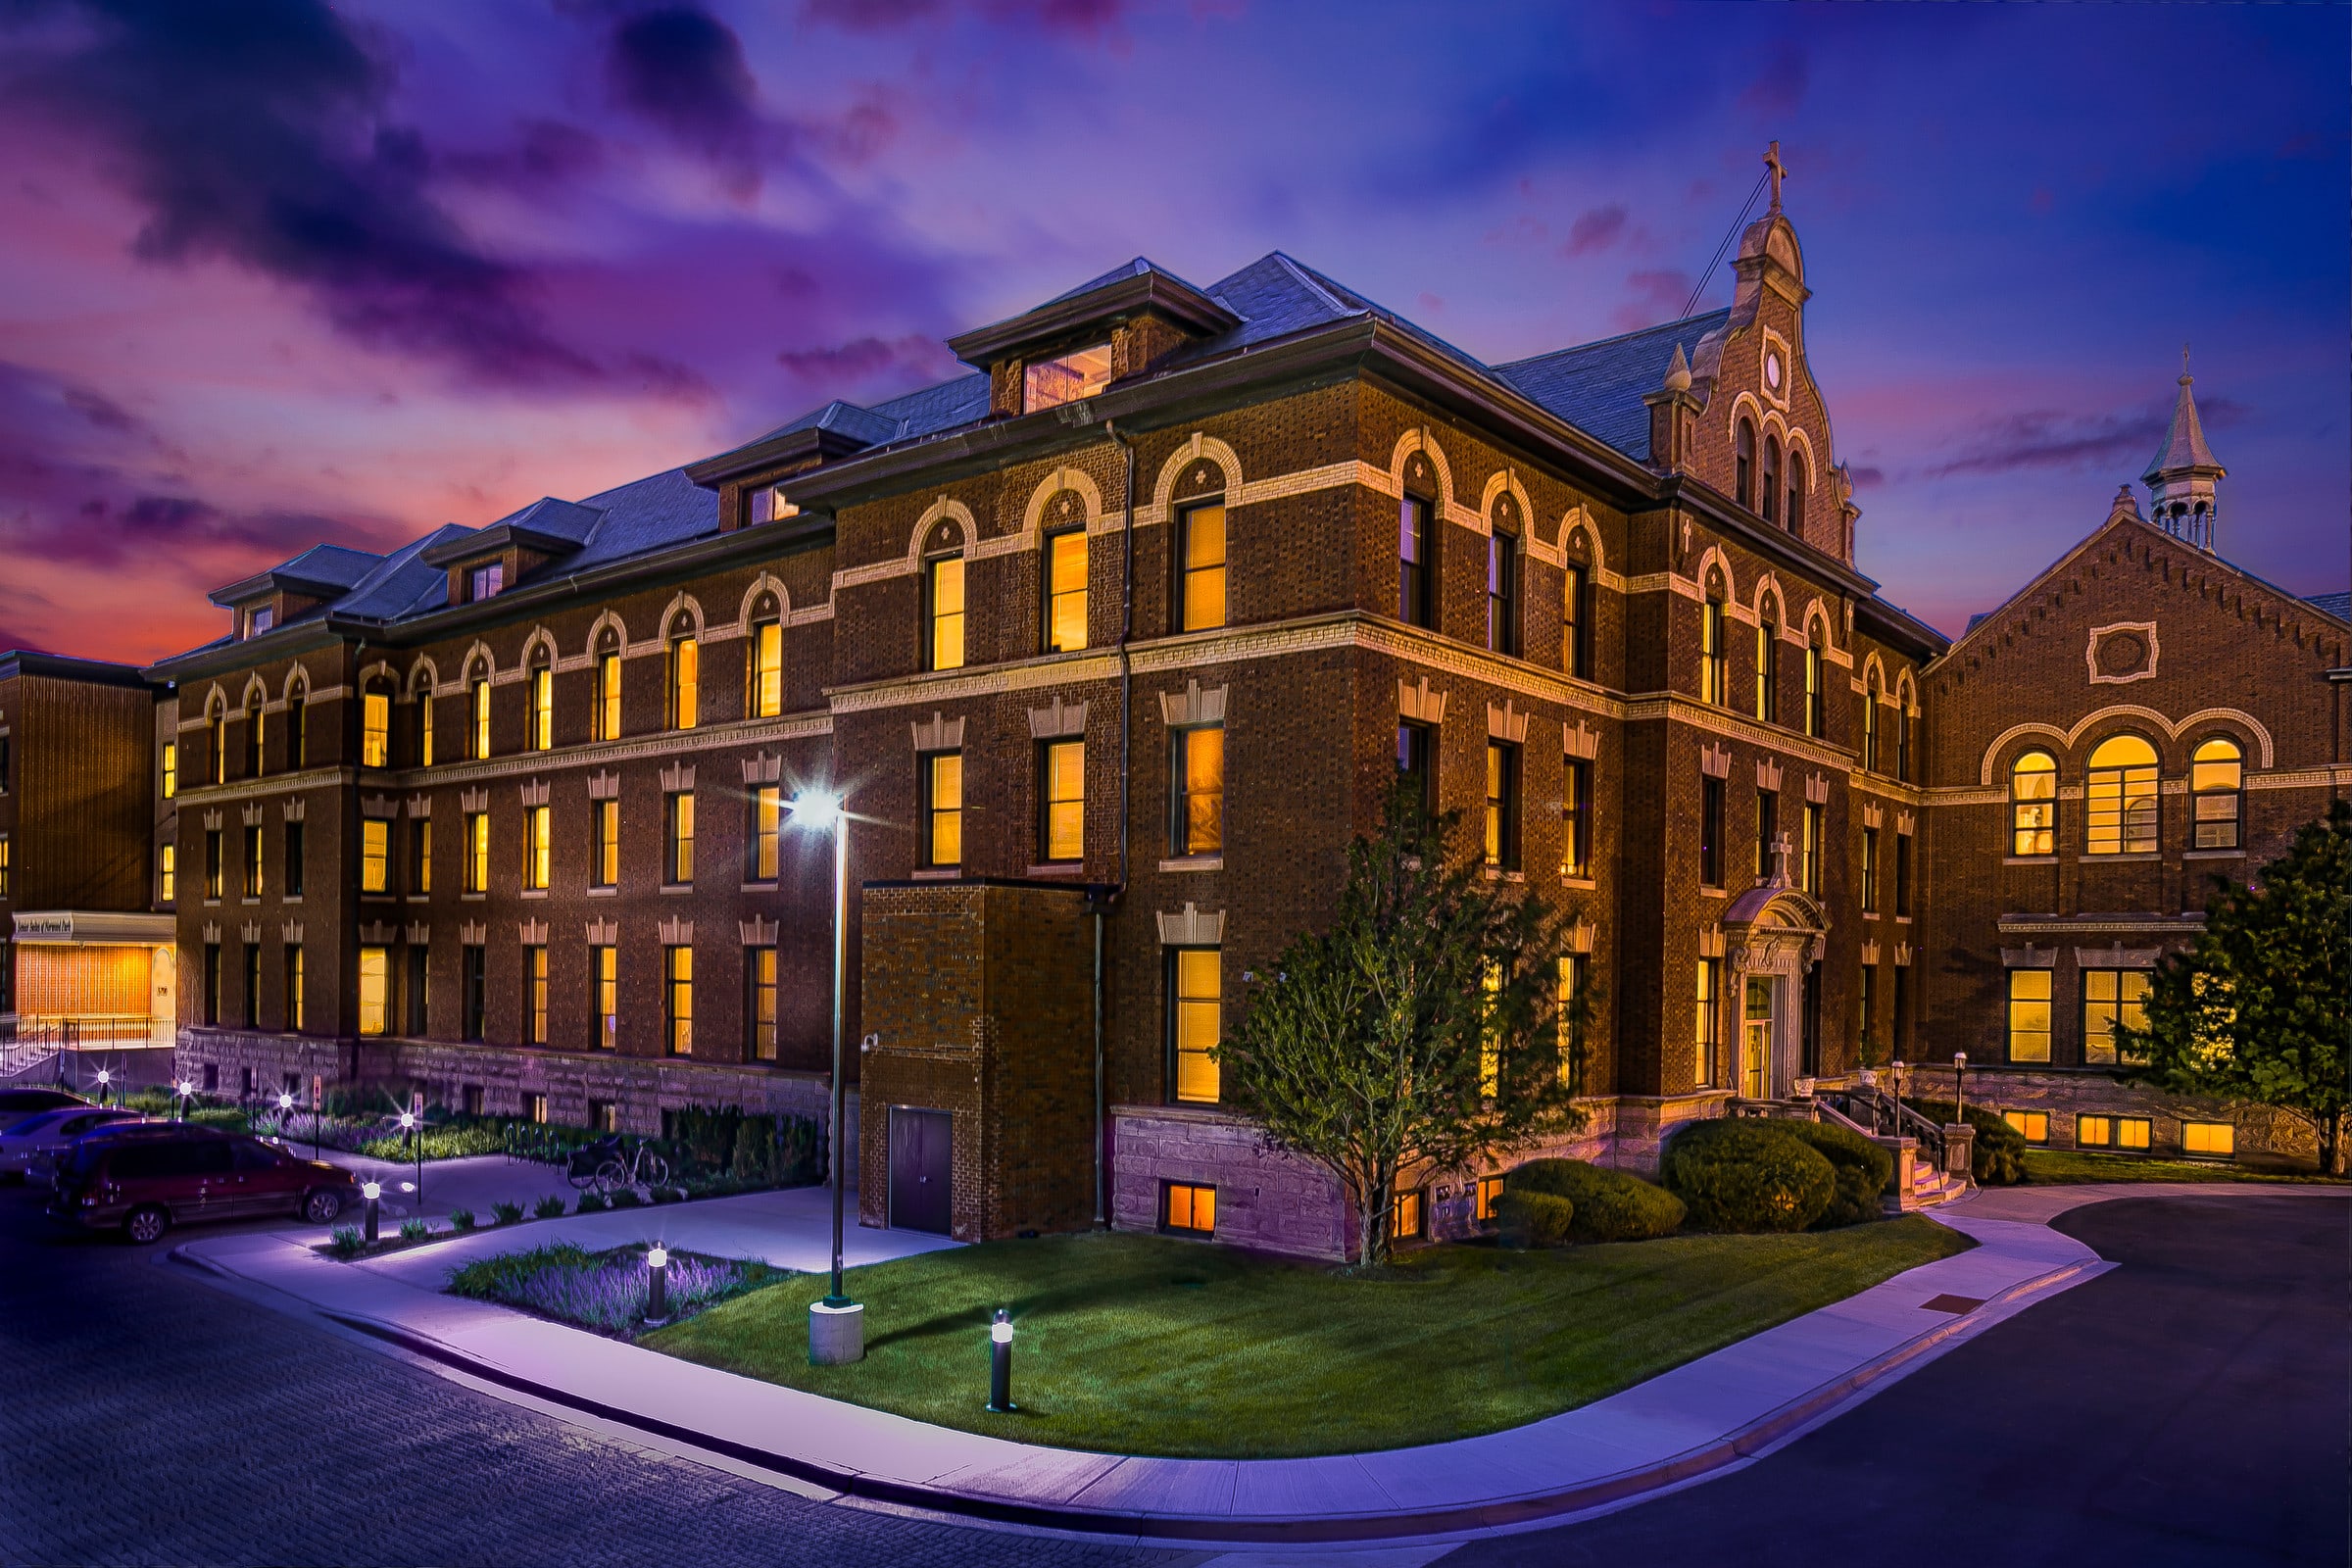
1732	1448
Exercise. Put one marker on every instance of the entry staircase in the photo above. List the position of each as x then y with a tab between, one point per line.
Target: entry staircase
1931	1160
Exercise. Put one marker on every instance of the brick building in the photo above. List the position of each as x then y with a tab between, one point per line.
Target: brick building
1114	644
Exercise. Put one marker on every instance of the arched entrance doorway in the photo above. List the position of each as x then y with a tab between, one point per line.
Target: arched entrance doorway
1773	934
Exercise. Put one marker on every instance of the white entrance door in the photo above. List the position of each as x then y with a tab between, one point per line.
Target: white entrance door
1756	1040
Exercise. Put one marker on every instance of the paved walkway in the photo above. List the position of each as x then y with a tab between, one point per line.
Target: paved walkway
1718	1410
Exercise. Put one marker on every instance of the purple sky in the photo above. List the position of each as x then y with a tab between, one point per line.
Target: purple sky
351	273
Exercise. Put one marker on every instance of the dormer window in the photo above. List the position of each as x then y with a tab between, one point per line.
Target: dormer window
1065	379
259	620
485	581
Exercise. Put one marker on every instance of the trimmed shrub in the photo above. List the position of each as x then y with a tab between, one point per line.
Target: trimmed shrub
1747	1176
590	1204
414	1230
460	1219
624	1198
549	1207
1998	1158
507	1213
1863	1170
1534	1219
1612	1205
345	1240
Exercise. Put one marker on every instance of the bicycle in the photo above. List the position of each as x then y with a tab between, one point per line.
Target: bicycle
609	1165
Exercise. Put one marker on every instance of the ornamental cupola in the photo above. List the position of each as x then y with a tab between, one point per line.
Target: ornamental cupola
2180	479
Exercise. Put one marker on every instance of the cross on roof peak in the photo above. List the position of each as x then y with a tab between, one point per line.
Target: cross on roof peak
1777	169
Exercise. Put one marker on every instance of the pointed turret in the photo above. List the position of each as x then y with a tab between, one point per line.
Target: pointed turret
2180	478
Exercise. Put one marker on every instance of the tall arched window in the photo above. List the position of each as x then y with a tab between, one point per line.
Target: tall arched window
1796	491
943	599
542	719
1714	659
1870	723
1065	576
1905	721
420	687
1768	661
376	724
1772	478
254	727
1576	617
1745	445
1813	680
1502	582
763	669
685	674
2216	780
2119	798
2034	805
477	716
298	699
608	685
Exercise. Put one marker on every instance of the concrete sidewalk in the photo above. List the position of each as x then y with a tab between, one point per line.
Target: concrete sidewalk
1719	1410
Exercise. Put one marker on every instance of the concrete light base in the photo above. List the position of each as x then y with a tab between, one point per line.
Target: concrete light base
836	1334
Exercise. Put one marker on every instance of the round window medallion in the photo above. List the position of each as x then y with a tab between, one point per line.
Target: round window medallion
2121	653
1772	371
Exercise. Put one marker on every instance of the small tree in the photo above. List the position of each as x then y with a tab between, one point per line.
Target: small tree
2255	1011
1421	1030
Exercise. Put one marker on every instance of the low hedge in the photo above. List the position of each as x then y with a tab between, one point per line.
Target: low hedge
1998	1156
1534	1219
1747	1175
1863	1170
1612	1205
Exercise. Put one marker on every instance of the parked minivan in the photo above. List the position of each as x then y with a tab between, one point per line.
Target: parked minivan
146	1185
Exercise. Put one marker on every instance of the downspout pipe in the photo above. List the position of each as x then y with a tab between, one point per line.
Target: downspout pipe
1103	898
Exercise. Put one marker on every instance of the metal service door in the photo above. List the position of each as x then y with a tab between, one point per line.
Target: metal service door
920	1197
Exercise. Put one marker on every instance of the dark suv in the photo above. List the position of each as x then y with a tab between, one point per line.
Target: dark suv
146	1185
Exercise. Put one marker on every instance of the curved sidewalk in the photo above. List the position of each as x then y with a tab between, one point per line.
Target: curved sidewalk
1718	1410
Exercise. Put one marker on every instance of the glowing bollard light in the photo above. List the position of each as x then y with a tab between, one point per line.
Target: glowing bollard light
657	1285
371	1191
104	1078
1000	1364
187	1092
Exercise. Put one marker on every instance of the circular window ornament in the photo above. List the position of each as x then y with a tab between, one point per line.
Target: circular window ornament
1772	370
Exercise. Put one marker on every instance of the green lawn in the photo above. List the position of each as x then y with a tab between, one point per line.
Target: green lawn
1144	1345
2059	1167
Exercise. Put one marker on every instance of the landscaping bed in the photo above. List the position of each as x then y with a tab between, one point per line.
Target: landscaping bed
346	1243
1150	1346
2058	1167
605	1292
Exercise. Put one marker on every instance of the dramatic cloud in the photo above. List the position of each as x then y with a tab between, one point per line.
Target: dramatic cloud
870	362
683	69
2044	438
1658	295
1594	230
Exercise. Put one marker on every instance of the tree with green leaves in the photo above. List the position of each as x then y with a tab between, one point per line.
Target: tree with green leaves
1422	1029
2255	1011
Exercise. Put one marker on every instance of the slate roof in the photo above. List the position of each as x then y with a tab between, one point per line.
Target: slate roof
2337	605
2183	440
333	565
560	520
1599	387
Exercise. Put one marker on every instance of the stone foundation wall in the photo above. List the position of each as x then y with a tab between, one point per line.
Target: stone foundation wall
2263	1134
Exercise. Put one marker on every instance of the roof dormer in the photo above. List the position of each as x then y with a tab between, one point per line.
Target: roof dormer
267	600
1124	323
486	562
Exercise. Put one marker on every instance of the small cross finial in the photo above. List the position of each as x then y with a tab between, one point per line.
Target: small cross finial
1778	172
2184	361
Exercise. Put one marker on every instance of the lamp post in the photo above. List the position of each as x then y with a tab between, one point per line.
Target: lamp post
408	1124
187	1090
836	1324
371	1191
1959	1092
1000	1364
104	1079
657	1285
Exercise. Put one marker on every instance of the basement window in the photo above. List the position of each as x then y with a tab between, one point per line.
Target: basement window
1188	1209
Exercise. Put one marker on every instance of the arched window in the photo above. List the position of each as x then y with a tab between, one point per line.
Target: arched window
1772	478
298	698
422	685
1813	681
1768	662
2119	798
2216	778
1714	657
2034	805
1502	580
253	736
1904	723
542	715
1576	616
943	599
1744	441
763	697
1065	576
685	674
376	724
1870	723
1796	491
607	723
478	727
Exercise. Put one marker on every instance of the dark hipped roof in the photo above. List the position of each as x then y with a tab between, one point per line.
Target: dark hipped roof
1599	387
2337	605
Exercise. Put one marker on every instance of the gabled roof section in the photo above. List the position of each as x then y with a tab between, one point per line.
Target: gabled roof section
1599	387
403	584
2337	605
646	514
2184	449
547	525
321	571
1140	286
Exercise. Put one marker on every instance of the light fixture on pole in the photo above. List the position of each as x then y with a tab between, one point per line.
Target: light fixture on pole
187	1091
1959	1091
409	1120
1000	1364
104	1078
371	1191
836	1324
657	1285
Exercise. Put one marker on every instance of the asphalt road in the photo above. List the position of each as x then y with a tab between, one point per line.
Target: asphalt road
2187	1408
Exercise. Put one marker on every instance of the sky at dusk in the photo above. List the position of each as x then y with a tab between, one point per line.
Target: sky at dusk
279	272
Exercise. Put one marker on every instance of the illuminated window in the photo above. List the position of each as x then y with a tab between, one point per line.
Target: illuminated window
1709	1034
536	835
685	680
1065	590
376	980
677	858
767	833
1061	827
2133	1132
485	581
2034	805
942	780
1813	685
1714	657
1503	806
603	869
543	709
604	1000
1573	967
1768	665
479	727
1502	592
1196	825
2094	1132
297	1007
1065	379
534	981
943	612
424	723
1490	1194
1809	877
1408	1217
168	868
2111	997
2029	1015
534	1109
375	855
1576	623
2216	775
766	694
760	1004
478	851
421	854
2119	798
375	729
170	769
1870	724
608	688
1201	581
1414	599
2033	1126
1189	1209
2217	1138
677	1000
1576	818
1196	1021
1870	870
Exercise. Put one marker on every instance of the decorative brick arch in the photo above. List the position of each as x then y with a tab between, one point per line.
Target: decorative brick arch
1200	448
2070	739
1575	521
596	631
478	656
253	689
1416	440
215	702
1720	562
767	582
681	603
426	669
540	637
945	509
1768	584
1817	611
297	678
1089	498
1500	483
